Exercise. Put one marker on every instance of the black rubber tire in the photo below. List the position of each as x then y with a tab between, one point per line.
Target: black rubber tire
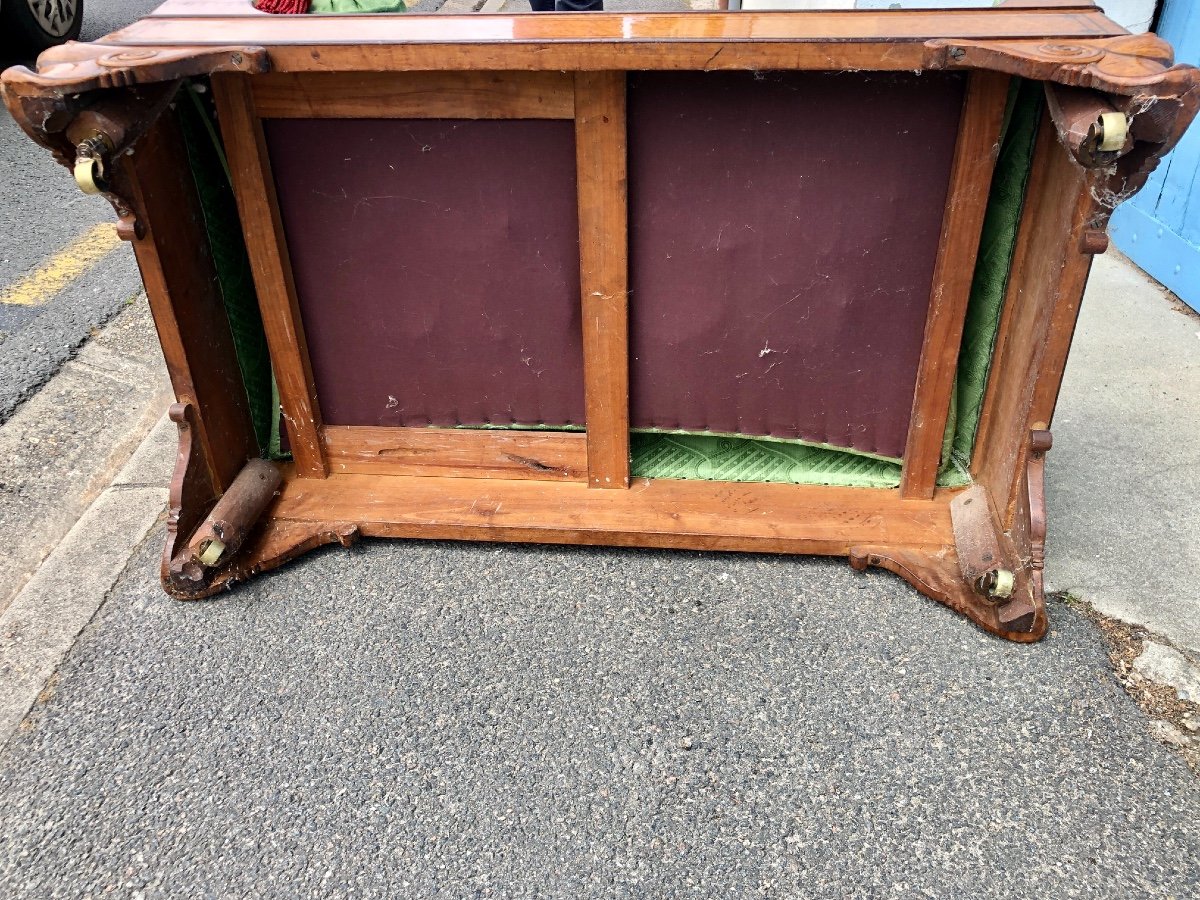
24	34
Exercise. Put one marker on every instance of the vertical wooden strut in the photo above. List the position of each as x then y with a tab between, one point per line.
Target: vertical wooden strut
189	313
966	202
262	226
604	272
1042	301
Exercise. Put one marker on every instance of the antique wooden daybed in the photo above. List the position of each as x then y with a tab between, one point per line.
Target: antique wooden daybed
795	282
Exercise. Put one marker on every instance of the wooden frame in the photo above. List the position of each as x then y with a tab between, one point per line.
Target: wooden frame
962	223
953	545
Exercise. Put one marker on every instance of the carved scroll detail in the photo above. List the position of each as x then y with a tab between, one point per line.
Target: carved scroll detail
111	95
192	493
79	67
1035	474
1129	64
1133	74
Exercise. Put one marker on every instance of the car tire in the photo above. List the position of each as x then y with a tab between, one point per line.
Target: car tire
34	25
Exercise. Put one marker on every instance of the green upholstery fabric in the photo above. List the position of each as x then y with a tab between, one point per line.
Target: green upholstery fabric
1005	202
725	458
211	174
356	6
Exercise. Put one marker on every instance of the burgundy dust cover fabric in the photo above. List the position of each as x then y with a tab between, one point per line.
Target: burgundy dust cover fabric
783	232
437	267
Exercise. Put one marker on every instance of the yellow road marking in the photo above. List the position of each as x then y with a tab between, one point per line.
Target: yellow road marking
62	268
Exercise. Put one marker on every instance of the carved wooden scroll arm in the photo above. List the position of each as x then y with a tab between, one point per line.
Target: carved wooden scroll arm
88	104
1132	75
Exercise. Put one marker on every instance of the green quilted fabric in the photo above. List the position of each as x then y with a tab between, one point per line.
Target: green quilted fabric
211	174
723	458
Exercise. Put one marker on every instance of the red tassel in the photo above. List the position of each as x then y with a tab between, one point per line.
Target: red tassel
283	7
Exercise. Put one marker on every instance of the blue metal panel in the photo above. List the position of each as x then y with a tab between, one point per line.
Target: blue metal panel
1160	228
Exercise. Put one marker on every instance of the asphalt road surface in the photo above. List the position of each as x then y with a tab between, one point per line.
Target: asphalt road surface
462	720
61	276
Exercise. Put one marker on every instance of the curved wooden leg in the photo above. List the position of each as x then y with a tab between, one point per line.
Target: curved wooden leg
972	575
198	517
935	572
274	543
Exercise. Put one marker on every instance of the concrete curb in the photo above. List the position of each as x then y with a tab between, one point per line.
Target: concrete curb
63	446
41	624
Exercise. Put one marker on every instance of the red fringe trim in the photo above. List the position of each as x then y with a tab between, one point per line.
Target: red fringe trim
284	7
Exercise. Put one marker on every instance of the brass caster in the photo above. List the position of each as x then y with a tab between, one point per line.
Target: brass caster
997	584
90	165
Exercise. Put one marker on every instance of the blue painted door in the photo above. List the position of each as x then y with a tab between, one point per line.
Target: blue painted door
1160	227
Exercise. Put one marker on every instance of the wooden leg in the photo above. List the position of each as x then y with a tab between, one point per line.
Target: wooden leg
972	574
259	542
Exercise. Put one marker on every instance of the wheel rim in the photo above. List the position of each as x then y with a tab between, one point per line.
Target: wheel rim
55	17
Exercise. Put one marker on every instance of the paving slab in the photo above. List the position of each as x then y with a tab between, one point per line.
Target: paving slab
464	720
1123	478
63	446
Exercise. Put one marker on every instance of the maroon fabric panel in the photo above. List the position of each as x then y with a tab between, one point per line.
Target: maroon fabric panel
783	232
437	267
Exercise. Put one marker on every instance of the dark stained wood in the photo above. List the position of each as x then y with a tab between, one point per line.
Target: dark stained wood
966	202
457	452
236	514
1040	443
416	95
604	272
185	299
935	572
191	493
267	248
977	541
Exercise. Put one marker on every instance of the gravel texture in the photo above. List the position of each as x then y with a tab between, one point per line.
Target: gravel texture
445	720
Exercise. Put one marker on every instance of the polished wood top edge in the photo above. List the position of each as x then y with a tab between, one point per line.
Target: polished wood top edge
808	26
245	9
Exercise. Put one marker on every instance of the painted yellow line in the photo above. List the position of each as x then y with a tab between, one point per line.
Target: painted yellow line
62	268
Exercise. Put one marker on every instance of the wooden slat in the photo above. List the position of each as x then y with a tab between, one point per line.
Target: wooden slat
690	55
457	452
1040	306
180	277
779	518
604	272
250	169
966	202
416	95
1072	282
